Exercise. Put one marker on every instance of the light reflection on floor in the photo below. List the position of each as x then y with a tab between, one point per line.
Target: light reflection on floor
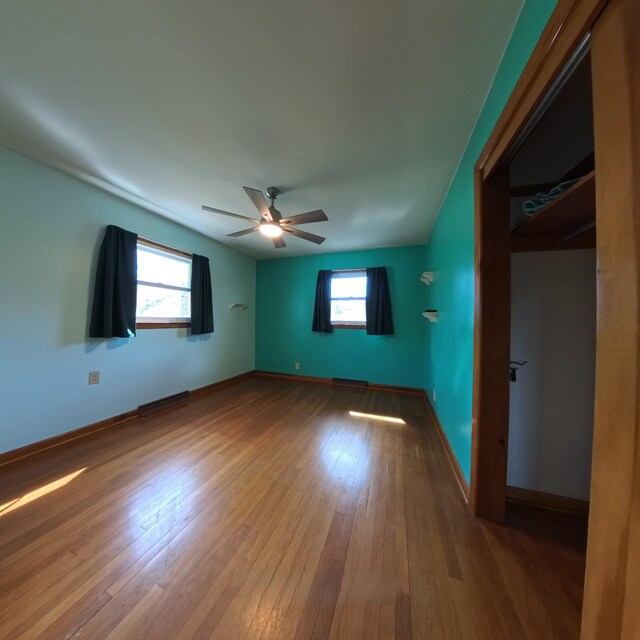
346	458
170	491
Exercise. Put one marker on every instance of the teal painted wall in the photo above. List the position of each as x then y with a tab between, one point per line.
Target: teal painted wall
284	309
50	229
449	252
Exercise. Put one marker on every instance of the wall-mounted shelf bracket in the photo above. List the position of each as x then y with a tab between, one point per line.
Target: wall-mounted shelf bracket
431	315
427	277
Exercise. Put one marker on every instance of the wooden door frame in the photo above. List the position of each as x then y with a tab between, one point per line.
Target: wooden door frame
612	582
567	26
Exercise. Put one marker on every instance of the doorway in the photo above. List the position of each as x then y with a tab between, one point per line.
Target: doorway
553	300
612	583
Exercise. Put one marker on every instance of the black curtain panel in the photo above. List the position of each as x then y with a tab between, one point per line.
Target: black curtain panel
322	307
201	300
114	296
379	316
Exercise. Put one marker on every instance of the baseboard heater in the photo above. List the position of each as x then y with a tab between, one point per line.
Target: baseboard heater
346	382
163	403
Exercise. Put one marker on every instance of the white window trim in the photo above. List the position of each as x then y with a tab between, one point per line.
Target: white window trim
175	254
349	273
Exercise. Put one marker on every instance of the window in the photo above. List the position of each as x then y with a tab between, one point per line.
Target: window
348	298
164	287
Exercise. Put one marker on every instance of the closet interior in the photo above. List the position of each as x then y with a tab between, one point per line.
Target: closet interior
553	297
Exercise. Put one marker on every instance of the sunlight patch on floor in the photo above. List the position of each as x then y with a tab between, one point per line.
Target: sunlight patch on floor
373	416
12	505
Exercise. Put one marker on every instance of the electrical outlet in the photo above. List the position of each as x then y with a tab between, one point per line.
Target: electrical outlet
297	365
94	377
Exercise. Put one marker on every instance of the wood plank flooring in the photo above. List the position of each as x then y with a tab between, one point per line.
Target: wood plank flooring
265	510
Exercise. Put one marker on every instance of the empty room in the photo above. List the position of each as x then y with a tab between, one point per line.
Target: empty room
320	320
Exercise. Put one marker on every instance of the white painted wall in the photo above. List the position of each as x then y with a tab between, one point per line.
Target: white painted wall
553	327
51	226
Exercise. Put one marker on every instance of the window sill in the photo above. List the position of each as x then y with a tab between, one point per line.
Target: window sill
163	325
348	326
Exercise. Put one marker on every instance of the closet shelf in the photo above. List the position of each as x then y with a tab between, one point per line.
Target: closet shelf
564	219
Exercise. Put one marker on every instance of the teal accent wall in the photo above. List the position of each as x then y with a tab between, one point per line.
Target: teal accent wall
51	226
449	251
284	310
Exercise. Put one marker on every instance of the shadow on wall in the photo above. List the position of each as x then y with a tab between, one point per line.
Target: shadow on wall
190	338
76	290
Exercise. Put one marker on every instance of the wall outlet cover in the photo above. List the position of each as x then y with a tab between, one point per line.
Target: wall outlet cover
94	377
297	365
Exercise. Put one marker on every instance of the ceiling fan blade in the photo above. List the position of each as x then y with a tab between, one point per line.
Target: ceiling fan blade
311	237
244	232
227	213
306	218
278	242
257	197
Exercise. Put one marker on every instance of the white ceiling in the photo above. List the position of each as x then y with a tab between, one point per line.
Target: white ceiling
360	107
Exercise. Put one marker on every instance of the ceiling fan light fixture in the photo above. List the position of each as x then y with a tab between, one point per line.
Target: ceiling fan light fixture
270	230
271	224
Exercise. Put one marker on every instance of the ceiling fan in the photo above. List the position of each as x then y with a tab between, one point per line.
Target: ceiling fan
272	224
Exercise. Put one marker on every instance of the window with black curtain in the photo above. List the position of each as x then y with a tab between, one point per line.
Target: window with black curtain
348	298
322	305
114	296
379	315
201	298
143	284
355	298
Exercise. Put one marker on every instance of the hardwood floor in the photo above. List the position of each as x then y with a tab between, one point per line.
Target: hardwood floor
265	510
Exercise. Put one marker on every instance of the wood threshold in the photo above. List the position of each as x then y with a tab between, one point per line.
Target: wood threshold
547	500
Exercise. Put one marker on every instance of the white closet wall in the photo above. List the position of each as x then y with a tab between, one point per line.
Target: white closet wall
553	327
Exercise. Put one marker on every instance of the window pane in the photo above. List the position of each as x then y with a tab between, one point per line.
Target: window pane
163	268
154	302
349	287
348	311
